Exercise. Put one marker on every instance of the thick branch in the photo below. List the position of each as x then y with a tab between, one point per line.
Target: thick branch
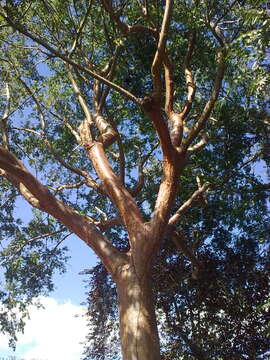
172	166
107	133
151	106
113	186
122	160
169	85
125	203
20	177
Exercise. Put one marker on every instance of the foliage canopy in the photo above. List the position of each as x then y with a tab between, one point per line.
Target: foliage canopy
74	71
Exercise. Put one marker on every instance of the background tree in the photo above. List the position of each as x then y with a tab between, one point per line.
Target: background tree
106	90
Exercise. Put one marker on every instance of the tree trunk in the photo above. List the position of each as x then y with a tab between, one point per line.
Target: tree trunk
138	327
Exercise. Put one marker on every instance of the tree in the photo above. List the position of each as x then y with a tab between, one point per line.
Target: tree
97	83
222	314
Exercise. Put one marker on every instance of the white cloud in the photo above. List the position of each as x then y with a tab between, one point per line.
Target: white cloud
53	333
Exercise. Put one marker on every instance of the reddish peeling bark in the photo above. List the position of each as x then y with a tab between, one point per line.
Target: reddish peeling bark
138	327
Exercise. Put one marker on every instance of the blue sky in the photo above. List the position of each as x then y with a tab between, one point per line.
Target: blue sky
56	332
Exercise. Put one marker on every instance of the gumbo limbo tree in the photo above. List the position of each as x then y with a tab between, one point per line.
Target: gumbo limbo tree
118	120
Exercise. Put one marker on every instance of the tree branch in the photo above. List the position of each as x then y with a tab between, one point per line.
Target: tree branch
81	100
173	220
160	51
66	58
125	28
199	145
151	106
122	160
79	224
124	202
178	119
188	74
80	29
3	121
88	179
200	124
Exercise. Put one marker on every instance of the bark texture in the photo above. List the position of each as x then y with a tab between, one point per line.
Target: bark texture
138	327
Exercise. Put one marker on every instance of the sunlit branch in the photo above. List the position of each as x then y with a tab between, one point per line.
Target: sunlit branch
120	196
122	160
203	141
177	120
108	134
188	203
188	74
81	225
160	51
3	121
169	85
150	105
81	100
68	186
